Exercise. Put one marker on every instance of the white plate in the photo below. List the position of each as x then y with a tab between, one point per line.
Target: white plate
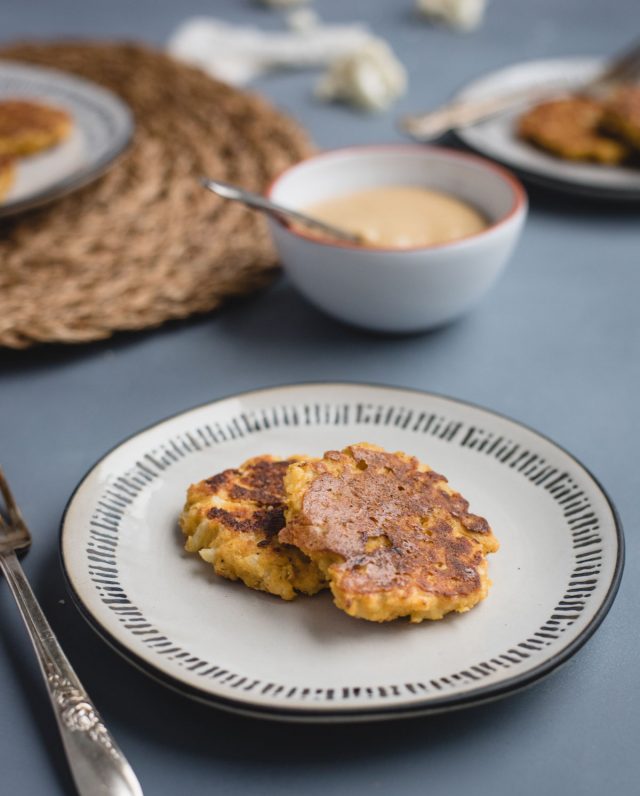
102	127
497	137
555	575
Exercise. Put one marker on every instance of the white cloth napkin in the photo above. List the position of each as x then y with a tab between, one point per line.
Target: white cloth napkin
239	54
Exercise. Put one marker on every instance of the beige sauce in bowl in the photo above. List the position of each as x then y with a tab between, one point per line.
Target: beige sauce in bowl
400	216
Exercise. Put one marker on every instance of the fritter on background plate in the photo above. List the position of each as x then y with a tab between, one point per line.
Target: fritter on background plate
7	175
622	115
391	536
29	127
571	128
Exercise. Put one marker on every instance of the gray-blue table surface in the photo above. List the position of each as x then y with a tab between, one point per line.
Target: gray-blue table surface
555	345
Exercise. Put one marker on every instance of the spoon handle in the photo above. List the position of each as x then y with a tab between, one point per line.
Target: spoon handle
258	202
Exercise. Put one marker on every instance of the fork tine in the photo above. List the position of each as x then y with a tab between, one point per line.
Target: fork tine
13	511
630	53
630	72
4	525
625	72
624	64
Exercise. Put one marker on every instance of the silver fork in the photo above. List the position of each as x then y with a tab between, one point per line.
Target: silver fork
98	766
463	113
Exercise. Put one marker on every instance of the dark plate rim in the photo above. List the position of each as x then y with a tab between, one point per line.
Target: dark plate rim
86	174
428	706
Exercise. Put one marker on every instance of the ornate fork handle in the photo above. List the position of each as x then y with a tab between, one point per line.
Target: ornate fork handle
98	766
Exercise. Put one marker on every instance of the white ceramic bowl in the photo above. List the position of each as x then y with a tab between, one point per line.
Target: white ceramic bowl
399	290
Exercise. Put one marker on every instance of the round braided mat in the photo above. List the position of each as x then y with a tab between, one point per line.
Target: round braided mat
145	243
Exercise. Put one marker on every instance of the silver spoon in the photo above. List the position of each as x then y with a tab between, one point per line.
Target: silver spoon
257	202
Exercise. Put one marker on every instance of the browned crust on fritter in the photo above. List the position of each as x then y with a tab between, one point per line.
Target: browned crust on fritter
7	175
261	480
391	523
27	127
232	519
622	114
259	485
571	128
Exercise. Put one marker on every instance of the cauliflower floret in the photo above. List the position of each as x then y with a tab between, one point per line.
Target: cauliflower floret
370	78
461	14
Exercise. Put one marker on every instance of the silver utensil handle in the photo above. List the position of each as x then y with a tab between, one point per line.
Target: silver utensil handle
98	766
258	202
462	113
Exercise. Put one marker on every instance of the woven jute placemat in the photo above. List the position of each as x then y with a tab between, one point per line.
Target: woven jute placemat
145	243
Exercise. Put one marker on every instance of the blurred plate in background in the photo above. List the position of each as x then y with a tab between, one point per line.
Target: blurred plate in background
102	128
497	138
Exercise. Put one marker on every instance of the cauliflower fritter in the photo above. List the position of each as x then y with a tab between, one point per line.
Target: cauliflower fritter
571	129
391	536
29	127
232	521
622	114
7	175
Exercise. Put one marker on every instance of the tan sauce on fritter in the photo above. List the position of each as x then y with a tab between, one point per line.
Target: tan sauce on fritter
400	217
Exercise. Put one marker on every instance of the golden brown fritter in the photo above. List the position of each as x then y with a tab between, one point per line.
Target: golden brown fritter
622	114
232	520
391	536
29	127
7	175
571	128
